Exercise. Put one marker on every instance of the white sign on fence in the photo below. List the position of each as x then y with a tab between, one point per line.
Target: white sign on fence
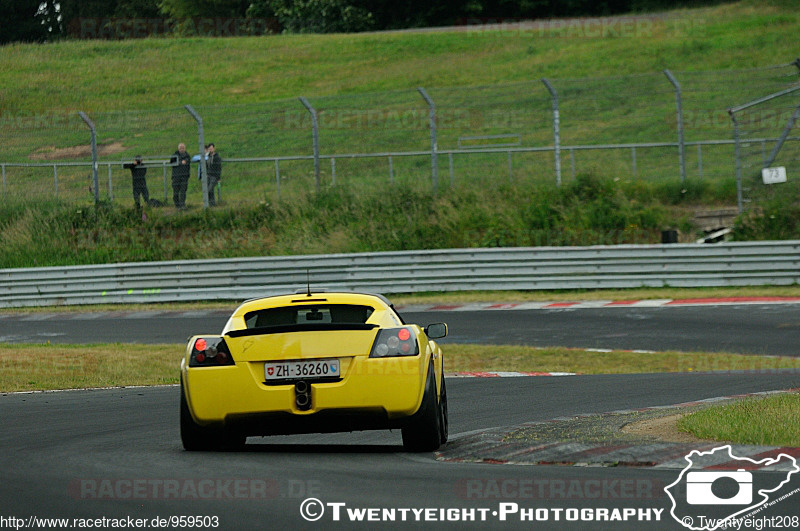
774	175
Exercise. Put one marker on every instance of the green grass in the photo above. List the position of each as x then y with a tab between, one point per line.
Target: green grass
590	211
97	75
556	359
611	89
364	87
769	421
587	211
42	367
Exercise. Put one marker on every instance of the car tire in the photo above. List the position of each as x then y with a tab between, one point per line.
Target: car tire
443	418
196	438
424	433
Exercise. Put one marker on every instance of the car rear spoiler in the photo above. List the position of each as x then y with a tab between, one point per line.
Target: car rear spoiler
310	327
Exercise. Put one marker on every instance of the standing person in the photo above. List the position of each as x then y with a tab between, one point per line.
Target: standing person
180	175
214	165
138	172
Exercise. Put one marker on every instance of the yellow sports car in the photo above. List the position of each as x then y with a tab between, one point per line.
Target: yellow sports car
313	363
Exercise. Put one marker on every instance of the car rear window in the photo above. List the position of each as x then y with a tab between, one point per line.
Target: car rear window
309	314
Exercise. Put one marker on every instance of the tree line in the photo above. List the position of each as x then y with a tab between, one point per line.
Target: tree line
47	20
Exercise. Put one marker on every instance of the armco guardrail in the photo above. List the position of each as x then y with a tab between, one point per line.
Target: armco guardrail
518	268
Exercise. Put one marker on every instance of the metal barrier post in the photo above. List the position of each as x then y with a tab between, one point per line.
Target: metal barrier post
314	136
434	143
679	111
333	171
556	129
633	159
95	181
202	150
55	177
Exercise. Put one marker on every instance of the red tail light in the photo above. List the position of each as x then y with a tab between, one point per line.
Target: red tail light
210	352
395	342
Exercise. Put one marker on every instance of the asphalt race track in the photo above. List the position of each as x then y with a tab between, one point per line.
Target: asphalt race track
116	453
62	451
747	328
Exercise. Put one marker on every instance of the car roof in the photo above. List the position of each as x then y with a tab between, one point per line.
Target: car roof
311	296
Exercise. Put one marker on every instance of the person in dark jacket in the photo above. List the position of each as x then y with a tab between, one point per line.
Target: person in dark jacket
214	165
138	172
180	161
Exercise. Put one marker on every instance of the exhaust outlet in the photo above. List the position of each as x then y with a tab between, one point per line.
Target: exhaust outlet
302	397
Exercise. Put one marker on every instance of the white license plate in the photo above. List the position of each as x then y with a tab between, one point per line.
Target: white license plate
292	370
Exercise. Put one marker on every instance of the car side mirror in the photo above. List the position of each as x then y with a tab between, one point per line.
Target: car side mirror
436	330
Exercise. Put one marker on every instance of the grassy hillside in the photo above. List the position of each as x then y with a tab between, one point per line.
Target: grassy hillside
154	73
247	89
485	81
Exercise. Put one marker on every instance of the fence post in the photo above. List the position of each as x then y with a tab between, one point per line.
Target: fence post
314	137
391	171
202	151
556	129
55	177
679	111
738	160
434	143
95	181
633	159
333	171
3	167
784	135
452	173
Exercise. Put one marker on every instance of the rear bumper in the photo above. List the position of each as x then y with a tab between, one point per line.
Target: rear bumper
326	421
372	394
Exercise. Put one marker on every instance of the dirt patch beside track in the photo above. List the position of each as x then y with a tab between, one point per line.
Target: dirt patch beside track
74	152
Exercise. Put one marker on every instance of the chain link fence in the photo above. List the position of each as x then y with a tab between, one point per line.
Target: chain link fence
655	126
766	134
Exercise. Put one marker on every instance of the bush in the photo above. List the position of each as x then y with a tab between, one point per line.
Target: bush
591	210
